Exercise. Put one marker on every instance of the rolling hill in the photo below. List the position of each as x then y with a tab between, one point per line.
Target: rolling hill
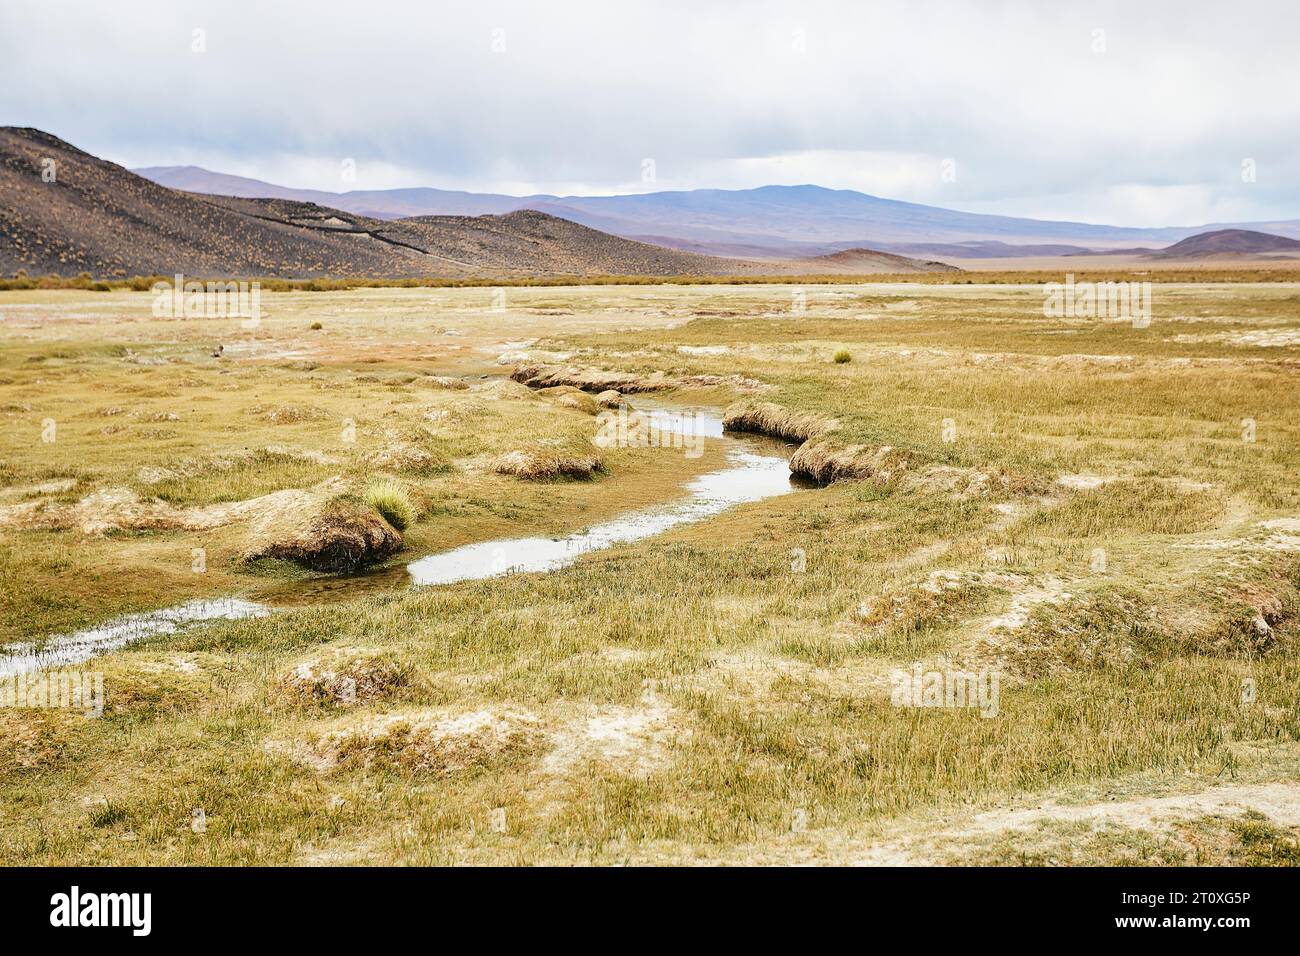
1230	243
95	216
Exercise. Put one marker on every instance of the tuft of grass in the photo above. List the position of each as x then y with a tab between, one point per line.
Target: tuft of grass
1260	843
106	814
842	356
391	500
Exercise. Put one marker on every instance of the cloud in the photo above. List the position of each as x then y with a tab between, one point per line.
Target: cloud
1106	113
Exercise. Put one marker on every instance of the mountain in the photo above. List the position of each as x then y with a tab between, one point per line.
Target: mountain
985	249
767	222
97	217
377	204
90	215
523	242
871	260
1230	242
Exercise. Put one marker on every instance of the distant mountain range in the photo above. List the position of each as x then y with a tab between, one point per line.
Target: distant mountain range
769	222
65	211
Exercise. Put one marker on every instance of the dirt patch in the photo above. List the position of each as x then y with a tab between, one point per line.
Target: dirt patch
1084	482
58	486
636	740
1279	802
1023	600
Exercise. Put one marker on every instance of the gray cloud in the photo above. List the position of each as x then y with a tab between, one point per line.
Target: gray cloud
1151	130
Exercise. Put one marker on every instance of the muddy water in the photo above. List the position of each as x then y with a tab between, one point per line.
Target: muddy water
757	468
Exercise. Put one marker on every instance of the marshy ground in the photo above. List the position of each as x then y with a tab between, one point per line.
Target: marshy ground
1106	517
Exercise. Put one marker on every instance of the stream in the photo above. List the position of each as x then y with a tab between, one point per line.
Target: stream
757	468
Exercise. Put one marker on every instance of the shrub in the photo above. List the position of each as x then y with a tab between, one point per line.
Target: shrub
842	356
391	500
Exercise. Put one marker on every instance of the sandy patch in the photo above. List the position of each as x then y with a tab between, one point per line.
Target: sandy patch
1085	482
636	740
1280	802
1050	591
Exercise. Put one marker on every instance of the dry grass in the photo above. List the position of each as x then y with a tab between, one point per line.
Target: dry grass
680	698
589	379
765	418
538	462
337	536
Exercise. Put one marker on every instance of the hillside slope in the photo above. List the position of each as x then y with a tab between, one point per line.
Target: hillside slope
524	242
1230	242
865	261
95	216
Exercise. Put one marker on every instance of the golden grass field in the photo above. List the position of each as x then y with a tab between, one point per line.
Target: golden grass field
1108	517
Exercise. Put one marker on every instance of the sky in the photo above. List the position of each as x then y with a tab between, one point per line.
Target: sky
1135	114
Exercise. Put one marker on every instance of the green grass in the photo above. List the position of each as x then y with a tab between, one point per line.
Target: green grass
390	499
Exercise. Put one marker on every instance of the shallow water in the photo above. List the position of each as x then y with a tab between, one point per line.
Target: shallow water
65	649
758	468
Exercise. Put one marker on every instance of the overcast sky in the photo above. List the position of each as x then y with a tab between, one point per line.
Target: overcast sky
1128	113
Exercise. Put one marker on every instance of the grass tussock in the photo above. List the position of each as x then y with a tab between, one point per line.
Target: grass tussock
1244	615
767	418
392	501
429	745
345	679
589	379
911	611
340	536
825	461
549	462
567	396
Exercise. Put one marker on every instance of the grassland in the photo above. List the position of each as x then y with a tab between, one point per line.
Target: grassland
1106	516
